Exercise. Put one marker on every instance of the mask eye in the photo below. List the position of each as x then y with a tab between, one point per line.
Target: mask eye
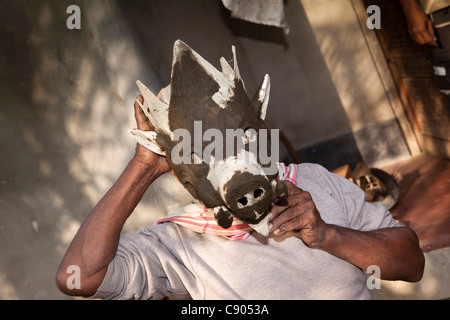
249	136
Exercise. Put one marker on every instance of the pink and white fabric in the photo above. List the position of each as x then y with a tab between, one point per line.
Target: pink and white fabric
198	218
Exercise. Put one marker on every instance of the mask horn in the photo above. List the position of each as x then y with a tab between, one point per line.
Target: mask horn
237	73
235	63
226	69
181	49
261	99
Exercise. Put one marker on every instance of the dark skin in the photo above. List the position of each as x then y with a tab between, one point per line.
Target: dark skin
395	251
420	26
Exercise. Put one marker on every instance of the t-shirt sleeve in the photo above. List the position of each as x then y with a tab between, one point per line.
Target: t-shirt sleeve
360	214
143	268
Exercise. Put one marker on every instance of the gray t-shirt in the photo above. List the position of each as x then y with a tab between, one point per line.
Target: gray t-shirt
167	260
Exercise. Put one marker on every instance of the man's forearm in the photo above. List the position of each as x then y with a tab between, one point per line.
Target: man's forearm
394	250
408	4
95	244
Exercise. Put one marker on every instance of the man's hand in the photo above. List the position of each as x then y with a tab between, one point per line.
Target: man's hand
420	26
143	155
298	214
395	250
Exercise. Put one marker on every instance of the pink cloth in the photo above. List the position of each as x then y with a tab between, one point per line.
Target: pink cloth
198	218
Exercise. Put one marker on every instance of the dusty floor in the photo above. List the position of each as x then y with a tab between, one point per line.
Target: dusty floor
424	206
424	183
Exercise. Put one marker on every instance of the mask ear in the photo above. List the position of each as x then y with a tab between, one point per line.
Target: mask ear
158	111
147	139
261	99
226	69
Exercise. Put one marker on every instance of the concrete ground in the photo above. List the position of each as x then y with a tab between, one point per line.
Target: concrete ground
58	153
65	107
434	283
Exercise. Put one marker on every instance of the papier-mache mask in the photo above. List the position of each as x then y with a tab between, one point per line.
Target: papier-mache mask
214	138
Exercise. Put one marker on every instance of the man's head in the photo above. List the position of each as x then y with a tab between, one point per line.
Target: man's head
214	137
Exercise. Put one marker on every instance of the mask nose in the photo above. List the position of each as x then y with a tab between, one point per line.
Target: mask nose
249	197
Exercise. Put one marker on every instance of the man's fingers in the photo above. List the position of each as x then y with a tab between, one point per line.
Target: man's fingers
295	206
292	188
281	206
280	224
293	192
419	36
289	226
288	215
424	35
141	120
433	40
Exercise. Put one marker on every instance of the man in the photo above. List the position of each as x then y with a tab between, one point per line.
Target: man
429	24
324	237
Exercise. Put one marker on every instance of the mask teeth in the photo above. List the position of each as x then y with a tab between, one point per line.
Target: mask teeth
262	227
